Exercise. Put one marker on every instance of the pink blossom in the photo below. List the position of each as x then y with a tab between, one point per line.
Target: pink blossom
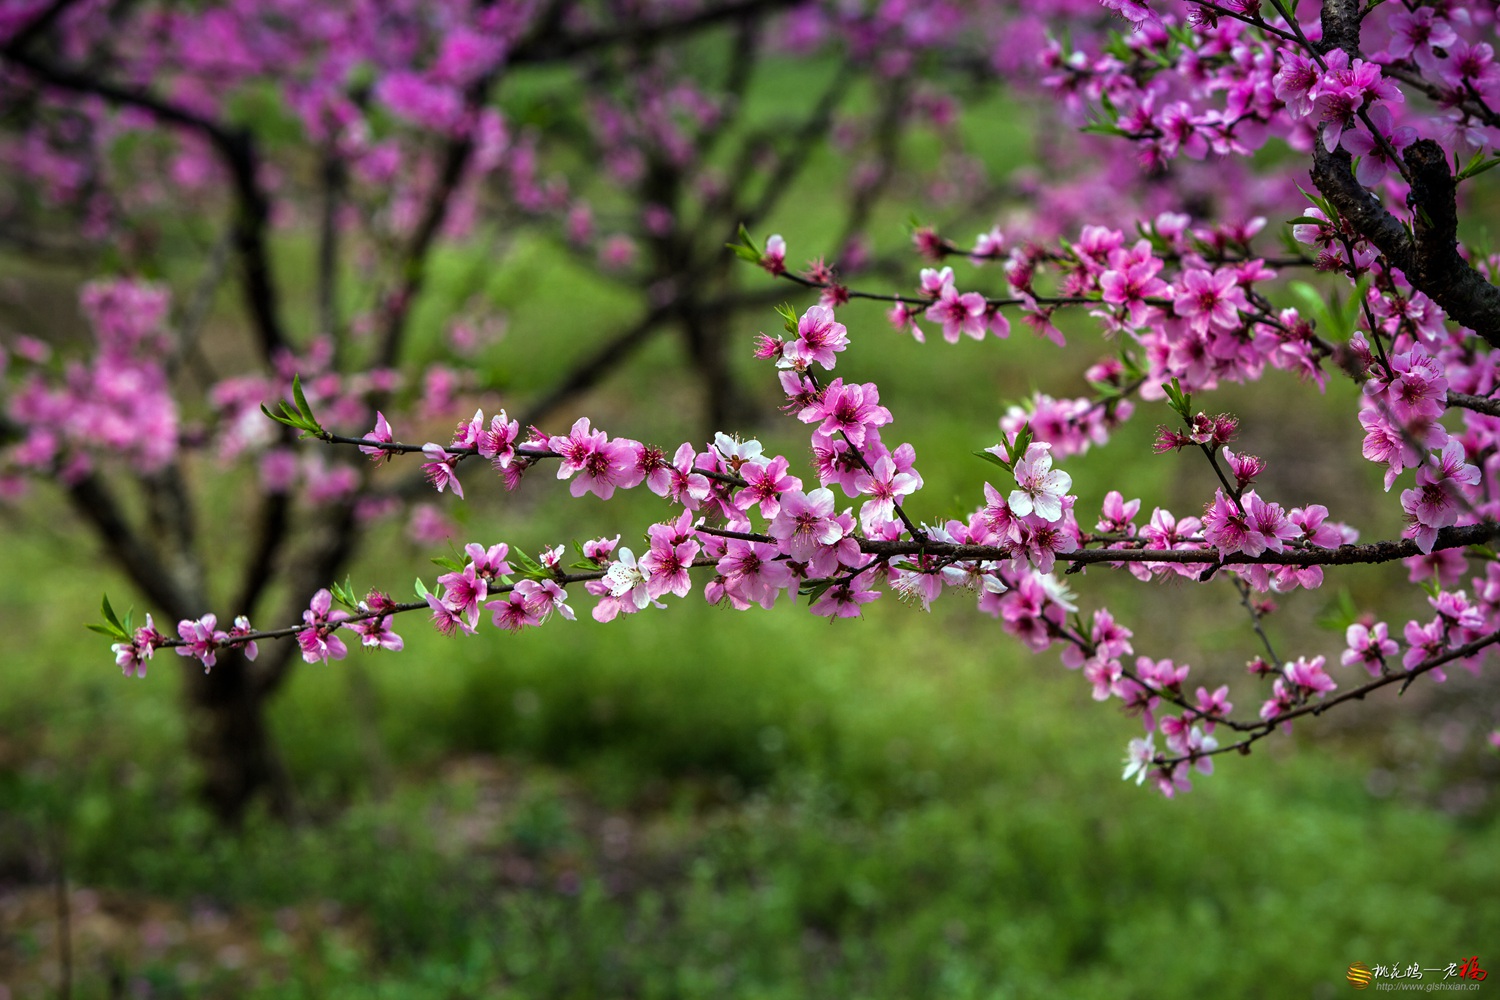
240	630
1375	153
439	469
1039	490
489	564
1422	28
513	612
753	572
1210	300
684	484
1370	645
131	656
601	464
1132	280
885	484
1425	642
774	258
1104	675
851	410
844	600
667	563
819	338
805	522
764	486
497	443
1245	468
1117	516
445	619
203	639
1437	501
1308	676
463	592
959	314
1040	543
1213	705
542	597
376	632
381	433
317	640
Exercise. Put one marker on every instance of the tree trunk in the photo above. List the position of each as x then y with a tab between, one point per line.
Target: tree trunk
229	739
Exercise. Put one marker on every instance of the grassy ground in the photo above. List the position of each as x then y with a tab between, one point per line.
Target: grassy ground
700	803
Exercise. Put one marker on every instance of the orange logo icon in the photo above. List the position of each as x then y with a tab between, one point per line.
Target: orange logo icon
1359	975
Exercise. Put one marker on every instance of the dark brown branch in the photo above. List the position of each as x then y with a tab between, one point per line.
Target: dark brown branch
334	546
1441	272
93	499
1341	19
333	177
1343	555
1427	255
414	260
271	527
39	24
548	46
593	369
1259	731
236	148
1479	404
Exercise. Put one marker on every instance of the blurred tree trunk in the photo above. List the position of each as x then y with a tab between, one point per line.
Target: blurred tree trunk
230	740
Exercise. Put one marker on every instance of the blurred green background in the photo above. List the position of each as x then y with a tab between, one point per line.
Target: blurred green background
700	803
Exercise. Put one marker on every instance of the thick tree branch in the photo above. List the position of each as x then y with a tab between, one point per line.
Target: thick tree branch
547	46
594	368
335	544
94	500
235	147
1479	404
1341	19
39	24
1441	272
1427	255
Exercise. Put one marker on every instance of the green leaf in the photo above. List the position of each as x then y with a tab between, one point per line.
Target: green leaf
1475	168
1181	402
344	594
747	254
303	409
1306	220
280	420
814	589
452	565
1340	614
109	613
1017	450
297	394
113	633
788	317
994	459
528	567
421	589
